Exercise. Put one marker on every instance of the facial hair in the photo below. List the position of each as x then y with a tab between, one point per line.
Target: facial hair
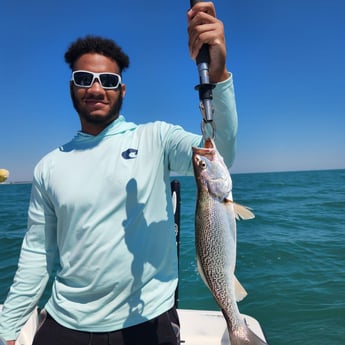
112	115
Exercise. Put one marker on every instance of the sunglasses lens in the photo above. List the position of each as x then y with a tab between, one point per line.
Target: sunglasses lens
83	79
109	80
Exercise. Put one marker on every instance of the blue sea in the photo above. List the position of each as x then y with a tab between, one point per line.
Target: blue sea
291	257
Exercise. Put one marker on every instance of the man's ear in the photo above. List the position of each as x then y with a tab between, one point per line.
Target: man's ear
123	90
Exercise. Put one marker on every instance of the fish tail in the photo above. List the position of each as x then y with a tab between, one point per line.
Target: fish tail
246	337
243	335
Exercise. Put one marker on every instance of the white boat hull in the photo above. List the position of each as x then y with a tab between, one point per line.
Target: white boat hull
198	327
205	327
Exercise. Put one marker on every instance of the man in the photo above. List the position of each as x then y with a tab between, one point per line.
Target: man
100	208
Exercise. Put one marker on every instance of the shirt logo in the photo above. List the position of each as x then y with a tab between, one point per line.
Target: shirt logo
130	154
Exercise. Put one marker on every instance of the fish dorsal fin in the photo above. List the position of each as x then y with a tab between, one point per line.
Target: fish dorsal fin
240	291
241	212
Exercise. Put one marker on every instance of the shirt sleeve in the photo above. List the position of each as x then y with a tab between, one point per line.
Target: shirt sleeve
34	266
225	118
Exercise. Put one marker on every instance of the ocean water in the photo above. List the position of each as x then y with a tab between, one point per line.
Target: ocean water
290	259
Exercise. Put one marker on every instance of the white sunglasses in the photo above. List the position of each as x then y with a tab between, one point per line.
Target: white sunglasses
85	79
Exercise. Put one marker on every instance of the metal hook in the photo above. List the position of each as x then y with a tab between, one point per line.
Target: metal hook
206	121
205	131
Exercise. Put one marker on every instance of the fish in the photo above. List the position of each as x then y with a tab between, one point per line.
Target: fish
215	239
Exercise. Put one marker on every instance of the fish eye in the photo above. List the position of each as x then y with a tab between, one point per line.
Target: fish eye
202	164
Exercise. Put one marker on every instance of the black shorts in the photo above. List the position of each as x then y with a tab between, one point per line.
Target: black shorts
162	330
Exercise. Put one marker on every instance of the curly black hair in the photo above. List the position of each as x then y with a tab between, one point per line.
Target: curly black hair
99	45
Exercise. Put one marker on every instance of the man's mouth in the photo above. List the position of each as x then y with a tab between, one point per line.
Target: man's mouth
95	102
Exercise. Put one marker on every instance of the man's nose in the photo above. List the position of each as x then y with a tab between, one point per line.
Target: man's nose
96	86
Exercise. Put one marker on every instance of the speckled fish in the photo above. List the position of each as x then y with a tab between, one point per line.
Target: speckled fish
215	238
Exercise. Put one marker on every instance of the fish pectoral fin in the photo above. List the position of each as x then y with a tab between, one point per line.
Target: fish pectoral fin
242	212
240	291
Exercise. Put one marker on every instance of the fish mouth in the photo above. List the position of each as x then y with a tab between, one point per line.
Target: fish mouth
208	151
209	144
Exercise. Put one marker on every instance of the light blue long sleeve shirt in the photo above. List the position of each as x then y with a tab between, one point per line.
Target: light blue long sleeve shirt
101	210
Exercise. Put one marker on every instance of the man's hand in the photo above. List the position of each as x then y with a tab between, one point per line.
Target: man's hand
205	28
11	342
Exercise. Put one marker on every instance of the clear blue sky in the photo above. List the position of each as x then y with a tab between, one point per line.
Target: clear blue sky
287	57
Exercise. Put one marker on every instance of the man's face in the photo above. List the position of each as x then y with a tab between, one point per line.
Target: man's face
97	107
